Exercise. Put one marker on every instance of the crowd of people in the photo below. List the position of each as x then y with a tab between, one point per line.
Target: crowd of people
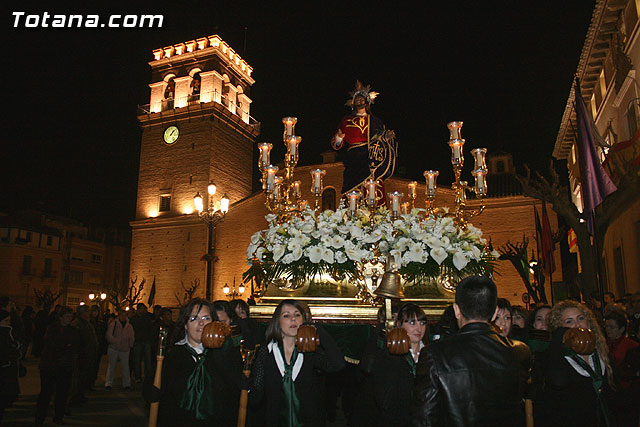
484	362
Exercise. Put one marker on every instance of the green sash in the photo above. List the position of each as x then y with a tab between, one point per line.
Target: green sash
597	378
197	397
412	363
291	407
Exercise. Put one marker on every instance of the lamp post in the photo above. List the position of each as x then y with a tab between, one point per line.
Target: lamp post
212	216
233	293
98	297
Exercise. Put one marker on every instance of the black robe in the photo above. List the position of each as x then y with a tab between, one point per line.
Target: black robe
225	367
266	393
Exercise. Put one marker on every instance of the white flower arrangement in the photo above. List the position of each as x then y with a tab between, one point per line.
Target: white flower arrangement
339	243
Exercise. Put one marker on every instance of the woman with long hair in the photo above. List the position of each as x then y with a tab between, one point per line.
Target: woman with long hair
287	385
571	387
387	384
200	386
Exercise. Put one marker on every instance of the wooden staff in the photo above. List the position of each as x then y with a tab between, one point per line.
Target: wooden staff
247	360
157	379
528	410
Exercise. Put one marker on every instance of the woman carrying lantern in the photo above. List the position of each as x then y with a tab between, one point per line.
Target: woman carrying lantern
287	386
573	376
389	372
201	373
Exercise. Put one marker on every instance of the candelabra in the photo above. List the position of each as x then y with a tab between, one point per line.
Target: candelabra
212	216
283	191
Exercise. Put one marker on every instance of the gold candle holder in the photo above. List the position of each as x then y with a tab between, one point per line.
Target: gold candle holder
353	197
289	127
412	186
394	199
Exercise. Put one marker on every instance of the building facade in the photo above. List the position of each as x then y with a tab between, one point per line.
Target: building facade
39	252
609	70
197	129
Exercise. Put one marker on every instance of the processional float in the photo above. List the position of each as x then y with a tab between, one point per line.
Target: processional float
344	262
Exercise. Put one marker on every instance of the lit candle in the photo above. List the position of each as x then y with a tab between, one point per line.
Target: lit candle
481	181
316	187
405	208
431	176
478	155
292	148
295	186
289	126
265	154
277	188
395	202
412	189
454	130
271	175
370	184
353	197
456	152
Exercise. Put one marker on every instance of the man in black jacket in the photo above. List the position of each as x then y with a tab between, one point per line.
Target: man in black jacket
476	377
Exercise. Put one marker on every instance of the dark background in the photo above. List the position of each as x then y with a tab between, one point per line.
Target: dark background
71	140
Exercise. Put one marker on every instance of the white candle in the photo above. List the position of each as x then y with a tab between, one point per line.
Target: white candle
478	155
277	189
265	154
454	130
289	124
481	182
456	151
431	177
371	192
271	175
317	175
412	189
296	188
353	197
292	147
395	202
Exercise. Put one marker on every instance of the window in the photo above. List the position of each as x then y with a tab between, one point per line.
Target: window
165	203
28	238
26	264
329	199
48	263
49	240
500	166
73	277
96	259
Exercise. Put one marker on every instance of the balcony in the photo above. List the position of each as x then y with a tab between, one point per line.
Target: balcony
195	100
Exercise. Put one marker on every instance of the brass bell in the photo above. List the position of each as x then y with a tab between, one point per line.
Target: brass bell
390	286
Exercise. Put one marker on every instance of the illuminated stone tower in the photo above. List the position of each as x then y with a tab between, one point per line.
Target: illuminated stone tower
196	128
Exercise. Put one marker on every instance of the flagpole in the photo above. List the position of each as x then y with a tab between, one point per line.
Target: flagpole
595	249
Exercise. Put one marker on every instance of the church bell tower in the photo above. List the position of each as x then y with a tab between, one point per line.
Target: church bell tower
197	128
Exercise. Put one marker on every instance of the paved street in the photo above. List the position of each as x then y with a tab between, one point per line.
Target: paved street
114	407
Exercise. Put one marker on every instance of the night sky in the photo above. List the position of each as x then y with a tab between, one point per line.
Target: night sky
71	141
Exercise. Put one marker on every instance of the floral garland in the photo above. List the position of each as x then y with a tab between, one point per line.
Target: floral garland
339	243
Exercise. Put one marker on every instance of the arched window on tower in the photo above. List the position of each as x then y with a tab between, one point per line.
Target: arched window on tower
169	92
195	88
329	199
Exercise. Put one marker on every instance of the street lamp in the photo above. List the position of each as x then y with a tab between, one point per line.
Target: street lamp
233	293
211	216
